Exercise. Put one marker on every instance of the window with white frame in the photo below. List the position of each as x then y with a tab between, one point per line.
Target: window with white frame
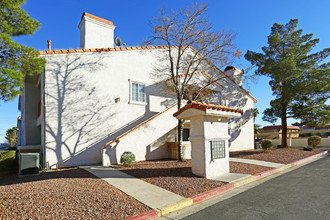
138	92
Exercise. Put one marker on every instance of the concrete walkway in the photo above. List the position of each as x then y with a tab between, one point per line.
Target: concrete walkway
256	162
154	196
148	194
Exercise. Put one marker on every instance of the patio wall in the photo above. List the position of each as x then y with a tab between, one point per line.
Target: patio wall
302	142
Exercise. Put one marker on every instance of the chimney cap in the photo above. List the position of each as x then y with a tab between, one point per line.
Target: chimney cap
96	18
229	68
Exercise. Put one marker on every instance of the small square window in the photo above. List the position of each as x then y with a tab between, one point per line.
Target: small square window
138	92
217	149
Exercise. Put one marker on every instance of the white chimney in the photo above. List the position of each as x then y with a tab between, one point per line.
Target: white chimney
95	32
235	74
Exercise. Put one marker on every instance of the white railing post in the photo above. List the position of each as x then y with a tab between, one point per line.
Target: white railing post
290	141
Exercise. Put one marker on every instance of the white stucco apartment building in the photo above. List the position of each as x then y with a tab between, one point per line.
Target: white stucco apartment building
92	104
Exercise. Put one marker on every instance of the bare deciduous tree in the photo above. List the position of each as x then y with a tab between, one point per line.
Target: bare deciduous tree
194	52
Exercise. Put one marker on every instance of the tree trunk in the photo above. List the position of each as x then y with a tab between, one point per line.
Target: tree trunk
284	126
180	125
180	128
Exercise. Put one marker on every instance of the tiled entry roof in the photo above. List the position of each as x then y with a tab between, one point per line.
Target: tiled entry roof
203	106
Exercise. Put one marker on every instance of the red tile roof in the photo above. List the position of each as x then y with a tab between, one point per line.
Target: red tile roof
98	50
203	106
97	18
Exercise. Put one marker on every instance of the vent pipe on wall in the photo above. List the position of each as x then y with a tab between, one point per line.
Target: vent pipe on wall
49	43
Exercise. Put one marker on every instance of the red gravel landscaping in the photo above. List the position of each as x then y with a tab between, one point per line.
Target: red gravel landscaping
236	167
171	175
75	193
68	193
281	155
177	176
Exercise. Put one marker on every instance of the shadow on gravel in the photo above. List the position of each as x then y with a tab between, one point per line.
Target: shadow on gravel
158	168
12	178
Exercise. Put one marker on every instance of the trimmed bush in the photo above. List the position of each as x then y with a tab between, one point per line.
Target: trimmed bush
127	159
314	141
267	145
308	148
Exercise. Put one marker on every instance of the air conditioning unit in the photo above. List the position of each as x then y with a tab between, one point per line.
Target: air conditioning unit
28	164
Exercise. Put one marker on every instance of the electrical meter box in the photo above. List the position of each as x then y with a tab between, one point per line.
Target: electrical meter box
28	164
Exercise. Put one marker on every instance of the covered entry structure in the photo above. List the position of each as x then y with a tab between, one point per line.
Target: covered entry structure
208	136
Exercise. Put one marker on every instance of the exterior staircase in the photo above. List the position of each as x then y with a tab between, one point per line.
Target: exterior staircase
146	141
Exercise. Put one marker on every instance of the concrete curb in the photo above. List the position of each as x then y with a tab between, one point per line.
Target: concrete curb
152	214
309	158
213	192
162	211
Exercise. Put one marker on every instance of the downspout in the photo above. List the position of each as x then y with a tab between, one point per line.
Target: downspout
44	119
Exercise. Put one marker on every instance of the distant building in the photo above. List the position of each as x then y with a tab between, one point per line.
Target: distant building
278	129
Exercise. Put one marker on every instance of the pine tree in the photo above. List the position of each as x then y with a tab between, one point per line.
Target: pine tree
299	79
16	60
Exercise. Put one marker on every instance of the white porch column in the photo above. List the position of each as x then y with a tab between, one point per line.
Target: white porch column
209	145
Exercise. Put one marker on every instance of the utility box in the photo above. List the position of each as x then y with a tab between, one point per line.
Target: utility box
28	164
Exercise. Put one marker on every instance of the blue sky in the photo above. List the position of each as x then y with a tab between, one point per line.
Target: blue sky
251	20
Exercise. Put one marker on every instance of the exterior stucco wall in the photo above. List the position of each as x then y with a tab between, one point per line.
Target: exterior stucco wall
81	112
241	129
87	105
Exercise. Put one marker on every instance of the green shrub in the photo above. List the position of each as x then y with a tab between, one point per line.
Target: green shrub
279	146
7	158
314	141
267	145
12	148
127	158
308	148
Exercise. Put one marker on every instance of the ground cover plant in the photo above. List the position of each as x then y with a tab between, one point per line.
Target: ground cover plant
7	161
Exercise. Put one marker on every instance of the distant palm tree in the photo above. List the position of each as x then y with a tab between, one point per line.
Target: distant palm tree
255	113
11	136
